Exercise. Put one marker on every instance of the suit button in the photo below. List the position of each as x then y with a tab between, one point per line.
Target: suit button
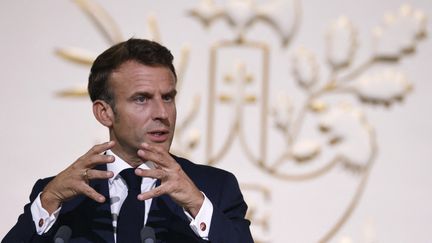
203	226
41	222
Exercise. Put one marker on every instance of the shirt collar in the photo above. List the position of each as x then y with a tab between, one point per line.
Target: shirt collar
119	164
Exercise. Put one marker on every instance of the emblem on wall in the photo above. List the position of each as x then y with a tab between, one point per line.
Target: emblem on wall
320	121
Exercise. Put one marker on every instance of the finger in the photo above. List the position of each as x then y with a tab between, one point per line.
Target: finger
97	174
98	159
91	193
155	192
100	148
155	154
152	173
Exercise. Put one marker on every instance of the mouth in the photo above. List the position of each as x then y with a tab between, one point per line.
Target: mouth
158	136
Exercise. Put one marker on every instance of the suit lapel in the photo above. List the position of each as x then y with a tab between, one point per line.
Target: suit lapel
102	217
90	221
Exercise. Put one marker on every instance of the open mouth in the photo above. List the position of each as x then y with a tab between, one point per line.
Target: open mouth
158	136
158	133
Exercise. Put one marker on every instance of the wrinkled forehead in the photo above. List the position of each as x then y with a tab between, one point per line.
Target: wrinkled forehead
132	67
133	75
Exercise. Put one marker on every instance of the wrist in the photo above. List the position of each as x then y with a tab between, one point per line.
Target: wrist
195	205
49	202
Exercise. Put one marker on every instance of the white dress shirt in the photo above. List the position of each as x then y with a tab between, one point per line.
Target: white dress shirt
118	192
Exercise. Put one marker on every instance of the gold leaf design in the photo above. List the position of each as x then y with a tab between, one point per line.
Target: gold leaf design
305	68
305	150
282	111
384	87
317	106
399	33
76	55
206	12
73	92
282	16
341	43
102	20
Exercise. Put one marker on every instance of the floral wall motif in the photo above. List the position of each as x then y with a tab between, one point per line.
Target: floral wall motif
296	118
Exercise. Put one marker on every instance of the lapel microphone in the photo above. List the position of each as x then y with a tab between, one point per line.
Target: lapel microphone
63	234
147	235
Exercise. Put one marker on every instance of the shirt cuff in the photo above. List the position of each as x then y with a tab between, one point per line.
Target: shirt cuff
201	223
43	221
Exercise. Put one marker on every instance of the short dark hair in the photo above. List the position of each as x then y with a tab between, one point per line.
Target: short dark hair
142	51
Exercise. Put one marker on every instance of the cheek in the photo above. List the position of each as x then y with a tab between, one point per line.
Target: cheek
131	120
174	116
137	115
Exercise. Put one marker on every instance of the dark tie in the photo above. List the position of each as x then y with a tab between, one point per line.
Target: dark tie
131	217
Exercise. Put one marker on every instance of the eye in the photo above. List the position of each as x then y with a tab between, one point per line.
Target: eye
141	99
168	98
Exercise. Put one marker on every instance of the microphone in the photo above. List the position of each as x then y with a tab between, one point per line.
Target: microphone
147	235
63	234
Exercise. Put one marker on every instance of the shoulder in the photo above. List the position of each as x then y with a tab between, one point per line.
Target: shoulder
39	186
204	170
209	179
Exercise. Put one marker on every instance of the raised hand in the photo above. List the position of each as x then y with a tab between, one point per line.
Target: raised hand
174	180
73	181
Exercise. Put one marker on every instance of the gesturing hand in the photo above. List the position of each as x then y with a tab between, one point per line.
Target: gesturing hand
73	181
174	180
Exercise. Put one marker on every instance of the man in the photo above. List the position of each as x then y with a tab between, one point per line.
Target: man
133	86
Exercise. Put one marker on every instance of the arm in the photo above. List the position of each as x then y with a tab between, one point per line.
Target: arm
174	181
25	229
68	184
74	180
228	221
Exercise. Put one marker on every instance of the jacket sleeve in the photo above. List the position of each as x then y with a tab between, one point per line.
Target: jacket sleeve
25	229
228	222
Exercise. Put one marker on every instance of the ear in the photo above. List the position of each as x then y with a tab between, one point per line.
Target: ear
103	113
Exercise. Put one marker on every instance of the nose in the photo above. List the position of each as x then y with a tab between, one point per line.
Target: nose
159	110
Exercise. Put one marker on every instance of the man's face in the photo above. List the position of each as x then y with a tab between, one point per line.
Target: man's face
145	108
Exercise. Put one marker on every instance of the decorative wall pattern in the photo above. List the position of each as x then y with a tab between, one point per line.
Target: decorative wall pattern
327	128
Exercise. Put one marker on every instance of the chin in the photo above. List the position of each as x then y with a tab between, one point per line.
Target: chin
165	145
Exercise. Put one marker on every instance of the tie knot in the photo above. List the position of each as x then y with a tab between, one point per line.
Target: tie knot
133	181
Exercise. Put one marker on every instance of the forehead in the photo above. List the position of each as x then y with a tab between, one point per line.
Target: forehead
132	75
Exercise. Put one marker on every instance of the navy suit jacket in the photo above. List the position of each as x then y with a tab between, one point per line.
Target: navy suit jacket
91	221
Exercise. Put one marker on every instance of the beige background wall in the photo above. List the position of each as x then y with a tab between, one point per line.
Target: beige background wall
41	133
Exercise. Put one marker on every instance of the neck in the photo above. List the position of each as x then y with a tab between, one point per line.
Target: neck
130	158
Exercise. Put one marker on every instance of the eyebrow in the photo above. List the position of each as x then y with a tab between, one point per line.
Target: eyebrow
142	93
172	93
